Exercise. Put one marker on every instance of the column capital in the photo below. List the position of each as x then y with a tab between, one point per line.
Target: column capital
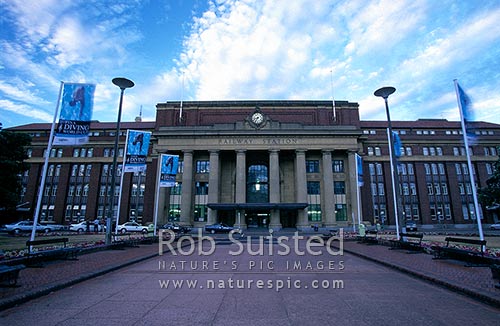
273	151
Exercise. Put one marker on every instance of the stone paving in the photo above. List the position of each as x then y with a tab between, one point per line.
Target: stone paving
94	290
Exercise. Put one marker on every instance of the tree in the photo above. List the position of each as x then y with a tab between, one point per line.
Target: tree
13	153
489	196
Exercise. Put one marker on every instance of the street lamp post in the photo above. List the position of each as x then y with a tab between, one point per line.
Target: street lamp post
122	83
384	92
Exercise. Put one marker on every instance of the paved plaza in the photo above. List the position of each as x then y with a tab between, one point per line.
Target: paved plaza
248	288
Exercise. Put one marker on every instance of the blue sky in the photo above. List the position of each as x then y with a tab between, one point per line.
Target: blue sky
251	49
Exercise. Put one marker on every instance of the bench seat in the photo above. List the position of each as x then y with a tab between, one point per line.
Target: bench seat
470	256
9	274
38	257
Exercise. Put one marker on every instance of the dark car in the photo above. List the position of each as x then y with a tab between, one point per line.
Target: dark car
411	226
176	227
218	228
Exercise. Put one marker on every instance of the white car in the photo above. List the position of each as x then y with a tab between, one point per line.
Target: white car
27	226
495	226
132	227
82	227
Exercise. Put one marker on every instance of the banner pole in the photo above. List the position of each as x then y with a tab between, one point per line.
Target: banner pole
121	184
157	193
45	166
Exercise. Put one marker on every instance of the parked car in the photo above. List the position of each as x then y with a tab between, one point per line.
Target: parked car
411	226
82	227
176	227
495	226
27	226
218	228
132	227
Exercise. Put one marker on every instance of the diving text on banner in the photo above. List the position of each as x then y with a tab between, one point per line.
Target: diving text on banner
137	150
168	170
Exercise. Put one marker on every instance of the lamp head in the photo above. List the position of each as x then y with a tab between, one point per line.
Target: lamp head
123	82
384	92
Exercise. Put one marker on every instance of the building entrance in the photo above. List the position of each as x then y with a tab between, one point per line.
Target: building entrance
256	220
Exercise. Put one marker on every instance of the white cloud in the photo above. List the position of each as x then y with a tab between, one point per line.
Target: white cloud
26	110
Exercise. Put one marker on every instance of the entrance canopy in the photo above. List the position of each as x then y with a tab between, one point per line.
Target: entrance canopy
238	206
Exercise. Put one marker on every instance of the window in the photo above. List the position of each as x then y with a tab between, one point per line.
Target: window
408	151
381	191
59	152
370	151
201	188
377	151
427	168
444	188
313	188
341	212
411	171
406	189
489	168
312	166
314	213
434	169
430	189
425	151
379	169
202	166
371	168
339	187
413	189
461	188
441	168
76	152
338	166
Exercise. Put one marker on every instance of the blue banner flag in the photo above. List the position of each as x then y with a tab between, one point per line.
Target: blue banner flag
466	112
75	116
359	169
168	170
137	148
397	144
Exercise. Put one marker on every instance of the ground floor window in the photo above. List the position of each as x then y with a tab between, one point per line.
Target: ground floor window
341	212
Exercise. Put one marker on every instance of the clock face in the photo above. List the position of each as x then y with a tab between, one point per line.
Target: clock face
257	118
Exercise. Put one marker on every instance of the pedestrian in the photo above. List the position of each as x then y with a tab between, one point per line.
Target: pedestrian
87	223
96	225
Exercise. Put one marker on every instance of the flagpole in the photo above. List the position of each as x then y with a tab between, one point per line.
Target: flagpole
333	98
469	163
393	172
157	193
358	190
121	184
45	166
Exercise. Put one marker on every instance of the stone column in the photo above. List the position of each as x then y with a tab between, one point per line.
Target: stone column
327	199
301	187
213	185
353	188
187	189
274	188
241	187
